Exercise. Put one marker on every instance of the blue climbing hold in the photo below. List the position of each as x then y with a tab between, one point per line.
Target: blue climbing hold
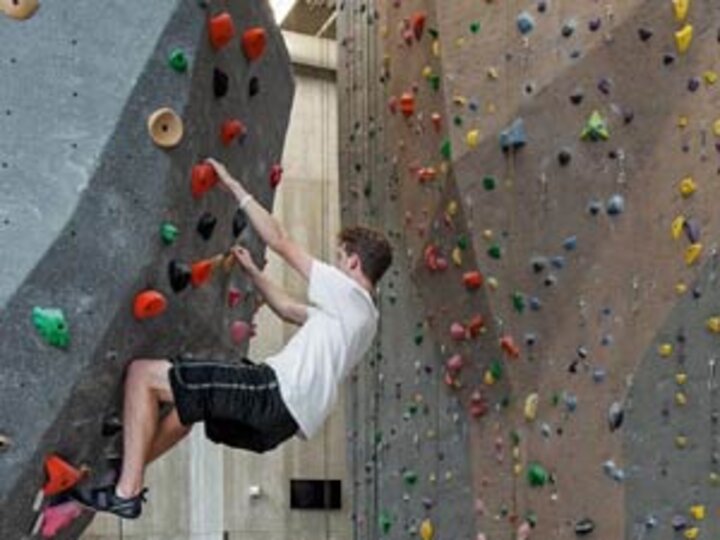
514	136
525	23
615	205
570	243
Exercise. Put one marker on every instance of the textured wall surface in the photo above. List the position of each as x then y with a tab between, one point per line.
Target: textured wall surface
83	192
609	402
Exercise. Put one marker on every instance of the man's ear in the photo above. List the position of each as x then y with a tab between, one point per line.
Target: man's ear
354	261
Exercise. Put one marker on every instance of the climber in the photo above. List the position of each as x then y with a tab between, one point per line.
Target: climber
256	406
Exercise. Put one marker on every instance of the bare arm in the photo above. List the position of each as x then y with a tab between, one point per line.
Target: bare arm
269	229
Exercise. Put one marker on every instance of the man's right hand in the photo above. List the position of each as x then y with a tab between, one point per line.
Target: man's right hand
226	178
244	259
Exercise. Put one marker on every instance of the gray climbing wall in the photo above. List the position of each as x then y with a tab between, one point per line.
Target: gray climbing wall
588	404
83	194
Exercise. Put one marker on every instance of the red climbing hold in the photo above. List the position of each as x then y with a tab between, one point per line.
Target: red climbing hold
221	30
276	176
433	259
231	130
426	174
204	179
437	122
407	104
418	24
476	325
235	296
201	272
253	42
473	280
149	304
507	343
61	475
478	404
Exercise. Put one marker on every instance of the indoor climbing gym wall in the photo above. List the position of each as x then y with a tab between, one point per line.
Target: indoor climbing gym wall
546	365
113	231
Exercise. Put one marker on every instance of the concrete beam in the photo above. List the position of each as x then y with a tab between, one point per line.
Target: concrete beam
310	51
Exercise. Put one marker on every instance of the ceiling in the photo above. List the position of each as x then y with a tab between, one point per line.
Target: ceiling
312	17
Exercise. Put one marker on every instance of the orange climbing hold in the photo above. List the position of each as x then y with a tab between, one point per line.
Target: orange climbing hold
201	272
204	179
407	104
253	42
473	280
221	30
418	24
231	130
507	343
61	475
149	304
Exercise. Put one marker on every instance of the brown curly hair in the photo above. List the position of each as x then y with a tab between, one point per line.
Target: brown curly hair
371	246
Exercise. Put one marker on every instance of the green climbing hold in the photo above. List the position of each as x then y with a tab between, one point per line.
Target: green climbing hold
378	437
52	326
596	128
518	301
434	33
367	191
496	369
410	478
463	242
537	475
178	61
489	183
435	82
494	251
515	438
168	233
446	149
458	121
385	521
556	399
531	518
475	27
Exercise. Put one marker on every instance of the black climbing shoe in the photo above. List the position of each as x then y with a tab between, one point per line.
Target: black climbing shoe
105	499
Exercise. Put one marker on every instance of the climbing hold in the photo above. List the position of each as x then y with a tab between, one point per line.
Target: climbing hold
677	227
697	512
645	34
149	304
473	280
446	149
564	158
475	27
531	407
518	301
507	344
681	378
570	244
427	531
165	127
240	331
201	272
234	297
19	9
495	251
221	83
489	183
168	233
410	478
385	521
52	326
713	324
254	87
239	222
596	128
276	173
478	404
407	104
514	137
525	23
476	325
691	533
584	527
687	187
417	23
179	274
61	476
681	7
58	517
665	350
568	29
206	225
692	254
232	129
692	230
254	41
473	138
616	415
683	38
5	443
436	120
203	179
615	205
537	475
221	30
457	331
178	61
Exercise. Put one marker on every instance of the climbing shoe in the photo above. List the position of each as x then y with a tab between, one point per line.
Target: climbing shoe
105	499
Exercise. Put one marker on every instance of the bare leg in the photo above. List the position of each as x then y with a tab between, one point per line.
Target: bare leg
169	433
147	384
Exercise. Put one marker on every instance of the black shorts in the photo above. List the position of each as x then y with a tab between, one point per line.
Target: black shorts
240	403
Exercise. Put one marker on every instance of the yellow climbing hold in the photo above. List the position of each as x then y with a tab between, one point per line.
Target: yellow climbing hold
713	324
714	479
681	288
688	187
665	349
531	407
493	73
716	127
487	234
457	256
680	399
677	227
683	38
489	378
473	137
681	378
460	101
436	48
452	208
459	42
697	512
681	441
693	254
517	469
692	534
683	121
681	8
492	283
427	531
710	77
427	72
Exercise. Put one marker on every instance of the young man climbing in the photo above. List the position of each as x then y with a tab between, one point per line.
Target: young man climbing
256	406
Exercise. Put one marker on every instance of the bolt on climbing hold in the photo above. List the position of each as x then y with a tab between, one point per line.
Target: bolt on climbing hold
687	187
239	222
202	179
56	518
165	127
232	129
475	27
407	104
178	61
584	527
221	30
495	251
19	9
507	344
489	183
254	41
240	332
417	23
713	324
201	271
681	7
615	205
596	128
5	443
525	23
665	350
61	476
179	275
531	406
427	531
514	137
692	254
234	297
446	149
457	331
677	227
473	138
616	415
537	475
253	87
221	83
52	326
149	304
276	172
168	233
206	225
473	280
683	38
385	521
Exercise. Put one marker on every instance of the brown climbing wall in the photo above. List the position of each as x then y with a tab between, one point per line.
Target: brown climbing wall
588	404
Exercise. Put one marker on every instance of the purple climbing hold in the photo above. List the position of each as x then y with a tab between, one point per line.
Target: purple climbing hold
692	230
595	24
679	522
605	85
694	84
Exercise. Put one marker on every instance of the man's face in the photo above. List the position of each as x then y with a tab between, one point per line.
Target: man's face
342	261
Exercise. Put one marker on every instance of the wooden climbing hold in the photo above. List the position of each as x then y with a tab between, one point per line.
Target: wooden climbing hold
19	9
232	129
221	29
203	179
61	476
683	38
407	104
149	304
276	173
165	127
253	42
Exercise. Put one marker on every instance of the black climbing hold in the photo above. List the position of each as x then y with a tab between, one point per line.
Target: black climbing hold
112	425
668	59
206	225
584	527
239	222
568	30
576	98
645	34
616	415
221	83
594	207
542	6
179	274
539	264
254	87
628	116
564	158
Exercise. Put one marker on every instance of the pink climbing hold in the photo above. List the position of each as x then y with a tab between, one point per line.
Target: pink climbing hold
56	518
240	332
454	363
276	175
457	331
478	405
